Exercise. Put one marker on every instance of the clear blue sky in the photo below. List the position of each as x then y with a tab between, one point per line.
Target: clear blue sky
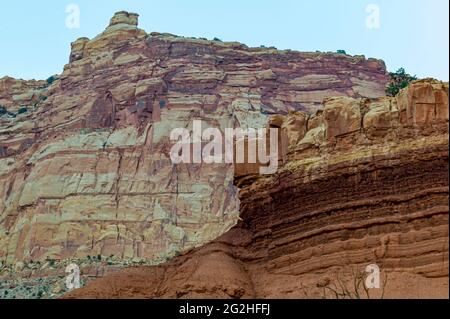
35	42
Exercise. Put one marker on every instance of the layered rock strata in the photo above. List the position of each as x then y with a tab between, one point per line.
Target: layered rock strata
84	157
365	181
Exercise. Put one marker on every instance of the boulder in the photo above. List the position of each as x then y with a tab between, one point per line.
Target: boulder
341	116
423	101
294	128
124	17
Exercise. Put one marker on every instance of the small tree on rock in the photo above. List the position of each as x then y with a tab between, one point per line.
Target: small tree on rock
399	80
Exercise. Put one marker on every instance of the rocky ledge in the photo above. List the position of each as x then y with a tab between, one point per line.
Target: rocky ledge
365	181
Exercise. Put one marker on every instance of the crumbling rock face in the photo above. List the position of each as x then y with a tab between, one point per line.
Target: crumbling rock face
17	93
85	171
373	189
124	17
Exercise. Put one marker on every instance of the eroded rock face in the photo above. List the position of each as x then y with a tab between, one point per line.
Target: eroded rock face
86	170
423	103
373	189
124	17
17	93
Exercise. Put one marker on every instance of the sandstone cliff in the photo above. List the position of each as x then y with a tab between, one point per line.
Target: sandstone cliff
365	182
85	173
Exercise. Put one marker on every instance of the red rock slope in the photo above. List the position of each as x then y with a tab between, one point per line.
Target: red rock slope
365	181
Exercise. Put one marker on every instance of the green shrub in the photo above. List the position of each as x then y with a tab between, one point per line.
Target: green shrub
51	79
341	52
3	110
22	110
399	80
217	39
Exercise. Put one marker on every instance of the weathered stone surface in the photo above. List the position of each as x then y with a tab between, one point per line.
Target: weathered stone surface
15	94
294	128
380	114
124	17
341	116
86	170
310	230
423	102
